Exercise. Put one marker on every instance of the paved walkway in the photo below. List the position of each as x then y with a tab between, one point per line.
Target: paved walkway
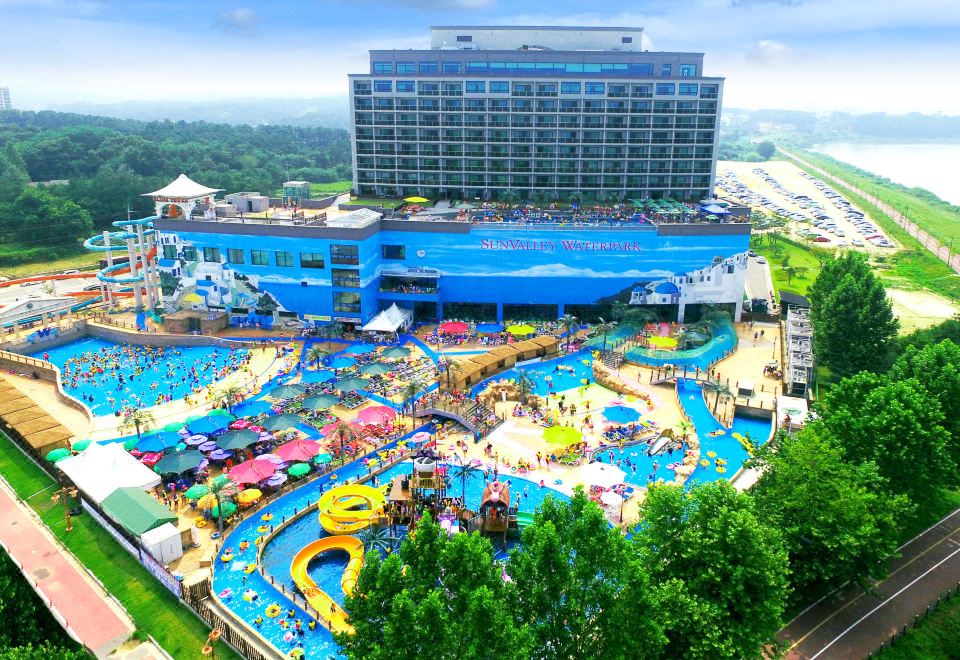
855	623
75	600
942	252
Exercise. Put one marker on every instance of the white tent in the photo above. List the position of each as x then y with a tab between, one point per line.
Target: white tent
163	543
101	469
390	320
183	186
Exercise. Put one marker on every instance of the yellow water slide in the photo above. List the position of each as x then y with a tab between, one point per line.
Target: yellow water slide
350	508
332	615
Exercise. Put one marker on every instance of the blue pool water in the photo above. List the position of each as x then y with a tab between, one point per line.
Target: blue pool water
726	446
327	570
562	379
724	341
141	367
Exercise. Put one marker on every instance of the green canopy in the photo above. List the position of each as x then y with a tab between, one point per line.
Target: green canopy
131	444
280	422
322	459
222	479
193	418
521	329
80	445
286	391
350	384
174	426
320	402
196	491
228	509
396	352
375	368
178	462
57	454
562	435
240	439
219	412
298	469
136	511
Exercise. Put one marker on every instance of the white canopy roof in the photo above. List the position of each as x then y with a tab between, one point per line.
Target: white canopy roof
183	186
389	320
101	469
793	407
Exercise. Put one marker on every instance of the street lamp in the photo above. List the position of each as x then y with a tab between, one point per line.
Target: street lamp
65	494
212	638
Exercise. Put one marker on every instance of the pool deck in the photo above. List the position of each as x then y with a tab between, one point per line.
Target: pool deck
44	393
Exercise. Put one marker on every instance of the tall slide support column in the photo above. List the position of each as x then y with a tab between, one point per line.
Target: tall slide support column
145	266
137	295
105	286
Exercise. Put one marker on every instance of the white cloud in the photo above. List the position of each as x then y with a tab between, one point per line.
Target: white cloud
769	52
241	18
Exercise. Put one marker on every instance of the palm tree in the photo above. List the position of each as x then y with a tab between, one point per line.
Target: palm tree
462	469
377	538
604	327
568	323
719	388
685	427
525	385
454	367
409	393
617	309
229	395
139	419
509	196
317	354
223	490
345	434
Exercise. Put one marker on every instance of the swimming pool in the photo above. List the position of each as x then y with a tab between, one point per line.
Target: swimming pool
326	570
136	375
724	341
556	370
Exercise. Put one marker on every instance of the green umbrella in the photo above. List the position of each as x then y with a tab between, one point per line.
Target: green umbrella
219	412
131	444
286	391
562	435
322	459
280	422
173	426
222	479
57	454
240	439
80	445
193	418
521	329
375	368
396	353
227	507
196	492
320	402
350	384
179	462
298	469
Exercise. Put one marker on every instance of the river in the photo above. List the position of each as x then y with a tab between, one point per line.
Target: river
930	166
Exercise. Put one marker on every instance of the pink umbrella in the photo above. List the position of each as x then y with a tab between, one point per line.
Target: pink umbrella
298	450
251	472
328	430
453	327
377	415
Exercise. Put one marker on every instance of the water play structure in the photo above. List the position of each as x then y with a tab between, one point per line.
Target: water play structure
138	275
334	616
341	512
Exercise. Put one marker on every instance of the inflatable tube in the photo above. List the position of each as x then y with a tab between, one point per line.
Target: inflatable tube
249	568
227	556
273	611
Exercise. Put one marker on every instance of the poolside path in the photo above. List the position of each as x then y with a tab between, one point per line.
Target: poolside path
75	600
853	623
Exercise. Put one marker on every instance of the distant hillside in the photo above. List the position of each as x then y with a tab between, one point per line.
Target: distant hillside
329	111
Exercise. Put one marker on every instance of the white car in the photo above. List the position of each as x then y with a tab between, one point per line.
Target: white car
761	260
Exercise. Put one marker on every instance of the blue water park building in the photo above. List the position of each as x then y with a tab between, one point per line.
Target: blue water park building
349	267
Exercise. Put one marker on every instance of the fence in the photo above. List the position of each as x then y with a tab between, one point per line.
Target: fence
944	597
197	597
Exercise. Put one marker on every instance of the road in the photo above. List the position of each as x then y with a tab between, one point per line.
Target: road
759	283
70	594
17	292
854	623
942	252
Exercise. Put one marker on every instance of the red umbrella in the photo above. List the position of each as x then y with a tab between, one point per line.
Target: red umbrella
298	450
453	327
376	415
251	472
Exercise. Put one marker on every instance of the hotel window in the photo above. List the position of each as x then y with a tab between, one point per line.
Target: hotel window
595	88
346	278
688	70
404	67
464	38
688	89
211	255
476	67
626	40
666	89
189	253
570	88
345	254
451	67
476	87
384	67
284	259
406	86
169	251
235	256
429	67
259	258
666	69
346	301
394	252
382	86
311	260
499	87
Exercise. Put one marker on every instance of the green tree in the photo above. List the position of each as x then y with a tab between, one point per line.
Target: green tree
13	173
376	538
410	391
138	419
766	149
36	215
223	490
569	325
525	385
604	328
230	395
26	625
894	424
837	521
578	584
317	354
344	434
721	574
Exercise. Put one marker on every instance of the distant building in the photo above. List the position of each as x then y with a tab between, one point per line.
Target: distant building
5	103
543	111
294	192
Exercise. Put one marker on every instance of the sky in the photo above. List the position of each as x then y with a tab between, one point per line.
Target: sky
890	56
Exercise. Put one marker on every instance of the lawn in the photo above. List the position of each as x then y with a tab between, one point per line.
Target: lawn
80	260
786	254
939	218
154	610
936	638
330	188
373	201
